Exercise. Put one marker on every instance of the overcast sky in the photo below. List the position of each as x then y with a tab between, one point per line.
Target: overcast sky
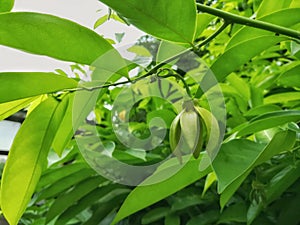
84	12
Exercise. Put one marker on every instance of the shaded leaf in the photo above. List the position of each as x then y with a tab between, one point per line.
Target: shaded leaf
155	214
234	213
206	218
282	141
68	199
65	183
279	183
101	194
172	220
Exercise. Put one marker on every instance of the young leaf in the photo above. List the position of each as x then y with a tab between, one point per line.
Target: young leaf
18	85
172	20
52	36
9	108
137	199
28	157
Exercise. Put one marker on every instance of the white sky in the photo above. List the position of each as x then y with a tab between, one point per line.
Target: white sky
83	12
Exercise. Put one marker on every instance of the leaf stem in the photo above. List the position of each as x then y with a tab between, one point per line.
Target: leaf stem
232	18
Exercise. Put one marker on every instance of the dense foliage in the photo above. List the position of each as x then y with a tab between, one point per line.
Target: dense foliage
93	148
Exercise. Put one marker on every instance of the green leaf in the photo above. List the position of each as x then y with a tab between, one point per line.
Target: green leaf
269	6
262	110
64	133
168	49
18	85
163	114
6	5
233	159
172	20
282	141
282	98
290	77
49	35
9	108
28	157
269	120
238	55
139	50
186	175
242	53
66	200
100	21
210	179
240	86
203	20
286	18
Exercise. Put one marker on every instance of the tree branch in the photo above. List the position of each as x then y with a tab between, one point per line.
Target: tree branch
232	18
